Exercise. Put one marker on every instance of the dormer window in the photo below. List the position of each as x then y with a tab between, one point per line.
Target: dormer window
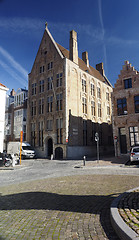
128	83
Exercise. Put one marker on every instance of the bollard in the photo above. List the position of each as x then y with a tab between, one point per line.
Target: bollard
84	159
51	156
13	160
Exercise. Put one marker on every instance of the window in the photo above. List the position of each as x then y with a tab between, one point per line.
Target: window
50	82
136	102
83	85
128	83
92	89
99	109
33	108
93	108
9	118
59	102
41	69
50	65
33	136
50	104
49	125
40	134
41	106
24	132
134	136
108	110
107	96
59	130
84	132
59	80
34	89
41	86
121	106
98	92
84	105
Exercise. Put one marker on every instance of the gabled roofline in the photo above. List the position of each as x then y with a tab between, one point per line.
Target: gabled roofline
46	28
107	80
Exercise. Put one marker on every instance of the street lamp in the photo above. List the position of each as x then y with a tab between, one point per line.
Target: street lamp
97	140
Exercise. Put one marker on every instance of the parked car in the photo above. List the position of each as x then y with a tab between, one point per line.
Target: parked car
134	154
27	150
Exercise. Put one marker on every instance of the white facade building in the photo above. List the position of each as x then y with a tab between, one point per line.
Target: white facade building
16	115
20	112
3	90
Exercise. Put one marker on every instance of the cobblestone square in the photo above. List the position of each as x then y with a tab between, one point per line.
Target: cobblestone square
72	207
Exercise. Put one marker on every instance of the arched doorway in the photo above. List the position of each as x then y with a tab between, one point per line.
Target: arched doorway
59	153
50	147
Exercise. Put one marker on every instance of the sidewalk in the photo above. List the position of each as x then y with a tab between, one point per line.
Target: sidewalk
107	161
125	214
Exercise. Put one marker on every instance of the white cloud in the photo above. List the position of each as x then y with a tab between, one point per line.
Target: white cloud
20	25
11	66
13	74
119	41
34	26
13	63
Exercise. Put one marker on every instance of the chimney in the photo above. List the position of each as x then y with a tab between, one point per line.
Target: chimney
12	93
85	58
73	47
100	68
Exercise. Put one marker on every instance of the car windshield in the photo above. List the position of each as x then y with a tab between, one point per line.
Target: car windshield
135	150
27	148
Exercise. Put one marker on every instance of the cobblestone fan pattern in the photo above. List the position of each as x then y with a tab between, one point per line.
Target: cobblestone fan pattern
129	209
75	207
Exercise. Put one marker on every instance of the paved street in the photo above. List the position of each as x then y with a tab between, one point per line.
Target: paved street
43	199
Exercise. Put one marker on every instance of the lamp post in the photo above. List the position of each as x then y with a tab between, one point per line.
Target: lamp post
97	140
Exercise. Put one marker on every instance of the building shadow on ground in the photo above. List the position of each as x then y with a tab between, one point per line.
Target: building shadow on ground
92	204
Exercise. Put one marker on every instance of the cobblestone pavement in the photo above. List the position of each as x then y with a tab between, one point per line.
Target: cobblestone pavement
72	207
129	209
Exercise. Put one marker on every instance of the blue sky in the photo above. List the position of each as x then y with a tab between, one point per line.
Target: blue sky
107	29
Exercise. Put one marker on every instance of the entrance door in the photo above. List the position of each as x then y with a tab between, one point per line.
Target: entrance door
123	144
59	153
50	147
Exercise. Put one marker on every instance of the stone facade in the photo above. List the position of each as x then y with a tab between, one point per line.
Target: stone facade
68	102
125	99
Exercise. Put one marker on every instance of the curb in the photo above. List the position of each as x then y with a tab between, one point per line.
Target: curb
6	168
121	228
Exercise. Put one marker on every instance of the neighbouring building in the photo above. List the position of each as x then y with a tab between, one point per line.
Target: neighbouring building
16	115
9	119
68	102
125	99
3	90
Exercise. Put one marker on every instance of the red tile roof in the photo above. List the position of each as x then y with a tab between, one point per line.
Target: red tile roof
2	85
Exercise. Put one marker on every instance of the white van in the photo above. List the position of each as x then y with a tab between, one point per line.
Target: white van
27	150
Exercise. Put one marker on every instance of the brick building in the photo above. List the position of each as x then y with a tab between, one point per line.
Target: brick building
125	99
68	102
